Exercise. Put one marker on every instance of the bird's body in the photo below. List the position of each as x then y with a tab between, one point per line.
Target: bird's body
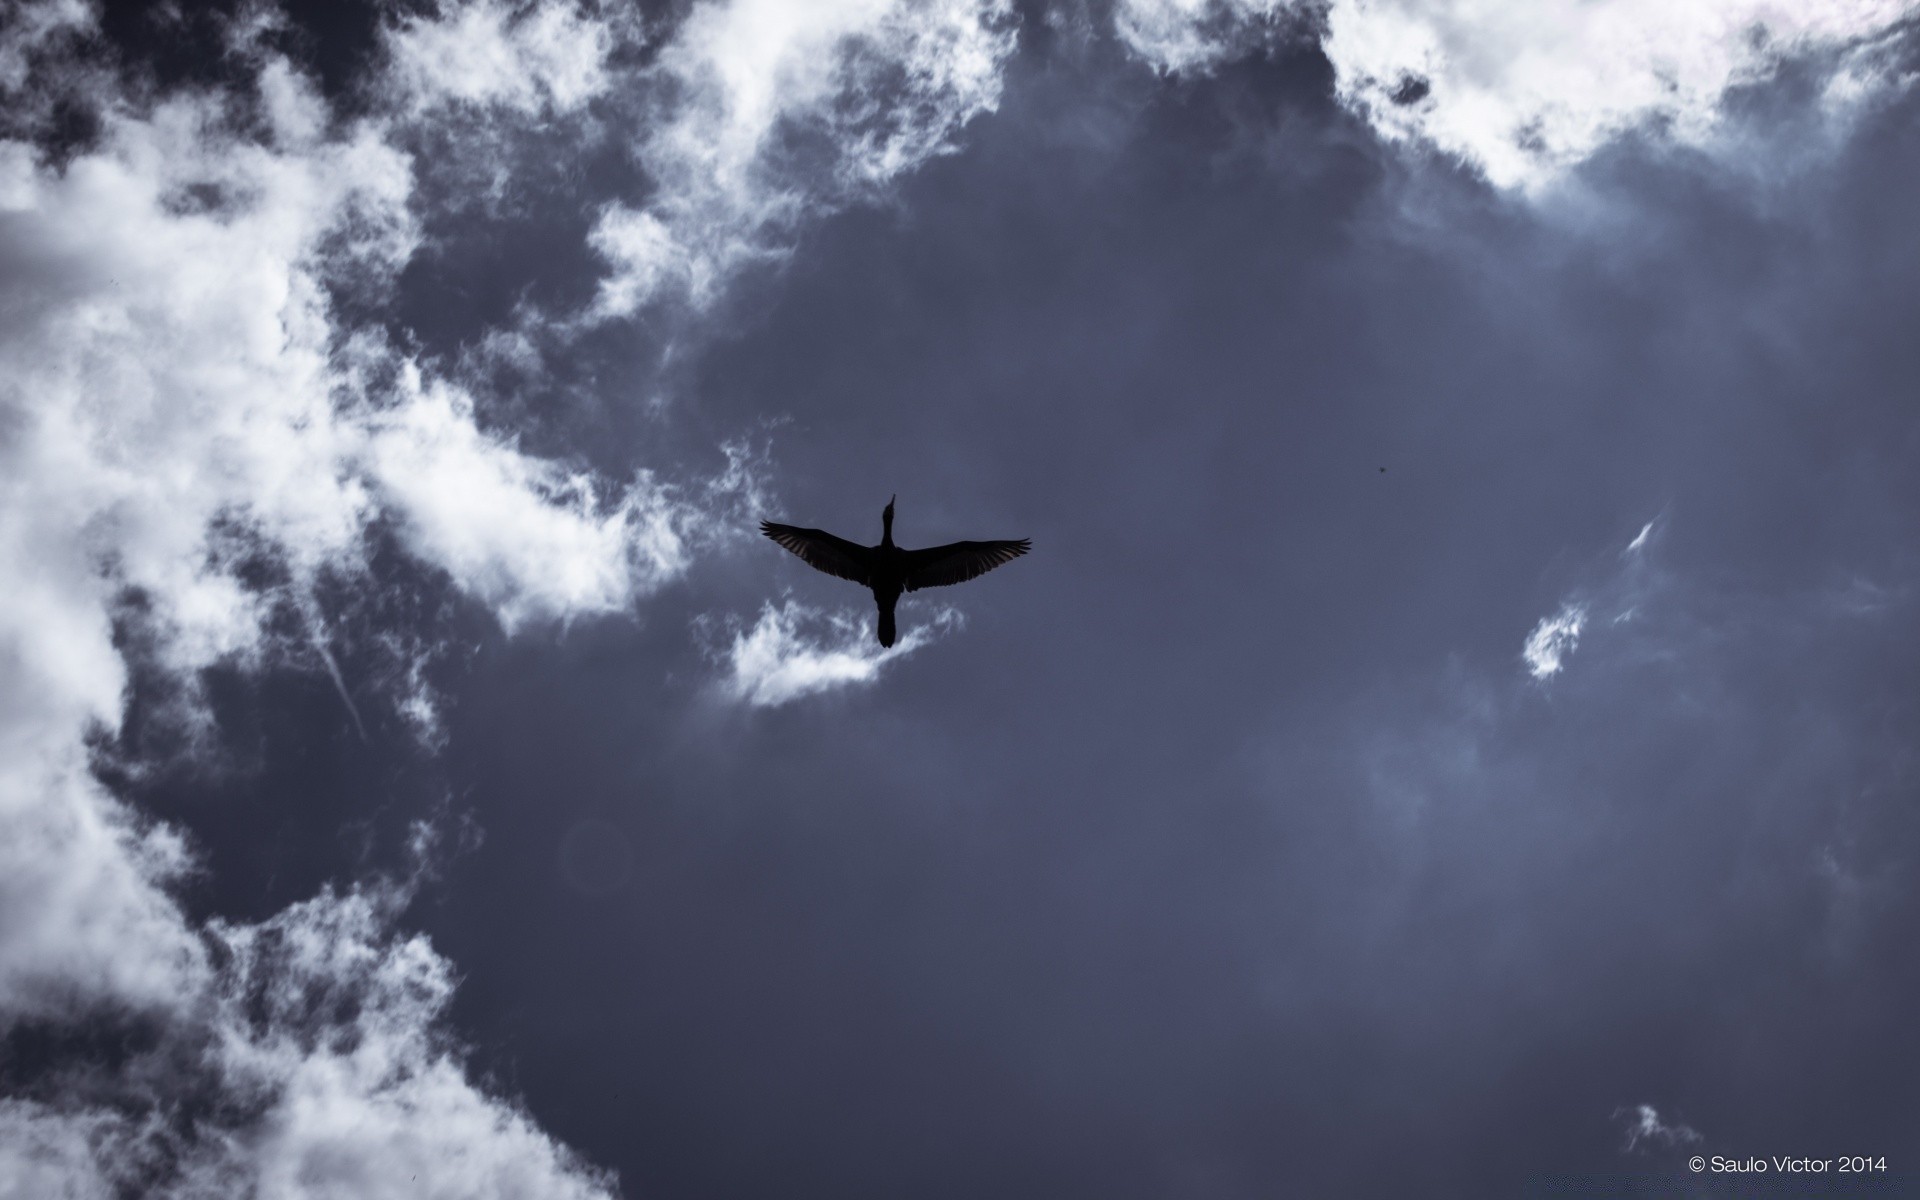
890	570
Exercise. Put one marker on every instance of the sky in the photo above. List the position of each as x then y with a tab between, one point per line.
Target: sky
1457	732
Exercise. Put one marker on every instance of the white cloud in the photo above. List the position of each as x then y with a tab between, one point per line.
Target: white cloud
530	538
171	367
1184	36
162	370
1632	588
794	651
498	100
178	396
1553	639
487	53
1524	91
1644	1129
777	111
1639	541
322	1030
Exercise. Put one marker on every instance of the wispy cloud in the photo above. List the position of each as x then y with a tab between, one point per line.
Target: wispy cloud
1640	539
1645	1130
775	113
1185	36
1616	592
1552	640
532	538
32	27
793	651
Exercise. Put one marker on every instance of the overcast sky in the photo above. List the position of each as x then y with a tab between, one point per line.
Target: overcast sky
1457	731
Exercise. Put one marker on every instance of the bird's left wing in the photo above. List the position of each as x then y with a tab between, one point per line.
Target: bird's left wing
824	552
957	562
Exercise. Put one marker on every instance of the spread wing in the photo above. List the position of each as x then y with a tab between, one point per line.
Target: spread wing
957	562
825	552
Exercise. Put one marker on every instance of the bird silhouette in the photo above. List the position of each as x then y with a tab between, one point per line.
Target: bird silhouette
889	569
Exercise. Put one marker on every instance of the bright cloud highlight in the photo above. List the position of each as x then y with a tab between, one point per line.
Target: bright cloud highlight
1523	92
191	441
1552	640
489	54
794	651
777	112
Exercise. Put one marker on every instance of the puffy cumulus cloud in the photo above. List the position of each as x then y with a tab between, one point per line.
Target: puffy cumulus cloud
307	1060
163	374
193	442
794	651
773	112
177	390
490	54
1522	92
532	539
84	910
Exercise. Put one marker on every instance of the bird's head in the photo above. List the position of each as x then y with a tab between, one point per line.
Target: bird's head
886	514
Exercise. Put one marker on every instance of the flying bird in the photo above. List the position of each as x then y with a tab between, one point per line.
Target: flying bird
889	569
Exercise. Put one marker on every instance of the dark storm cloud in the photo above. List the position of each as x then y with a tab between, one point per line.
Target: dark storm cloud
1228	845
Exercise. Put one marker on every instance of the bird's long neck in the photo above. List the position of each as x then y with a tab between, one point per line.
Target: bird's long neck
886	526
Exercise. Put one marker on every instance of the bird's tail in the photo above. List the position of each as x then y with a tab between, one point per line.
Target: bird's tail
887	632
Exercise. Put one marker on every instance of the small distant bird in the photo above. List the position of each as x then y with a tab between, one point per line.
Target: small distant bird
888	569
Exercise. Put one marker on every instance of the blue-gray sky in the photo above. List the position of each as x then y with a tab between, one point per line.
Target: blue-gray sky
1455	733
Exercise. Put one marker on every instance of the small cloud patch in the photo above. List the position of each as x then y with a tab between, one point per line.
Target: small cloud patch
1645	1130
1639	541
794	651
1553	639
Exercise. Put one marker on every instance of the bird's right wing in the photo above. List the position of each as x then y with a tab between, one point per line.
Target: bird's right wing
824	552
958	562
